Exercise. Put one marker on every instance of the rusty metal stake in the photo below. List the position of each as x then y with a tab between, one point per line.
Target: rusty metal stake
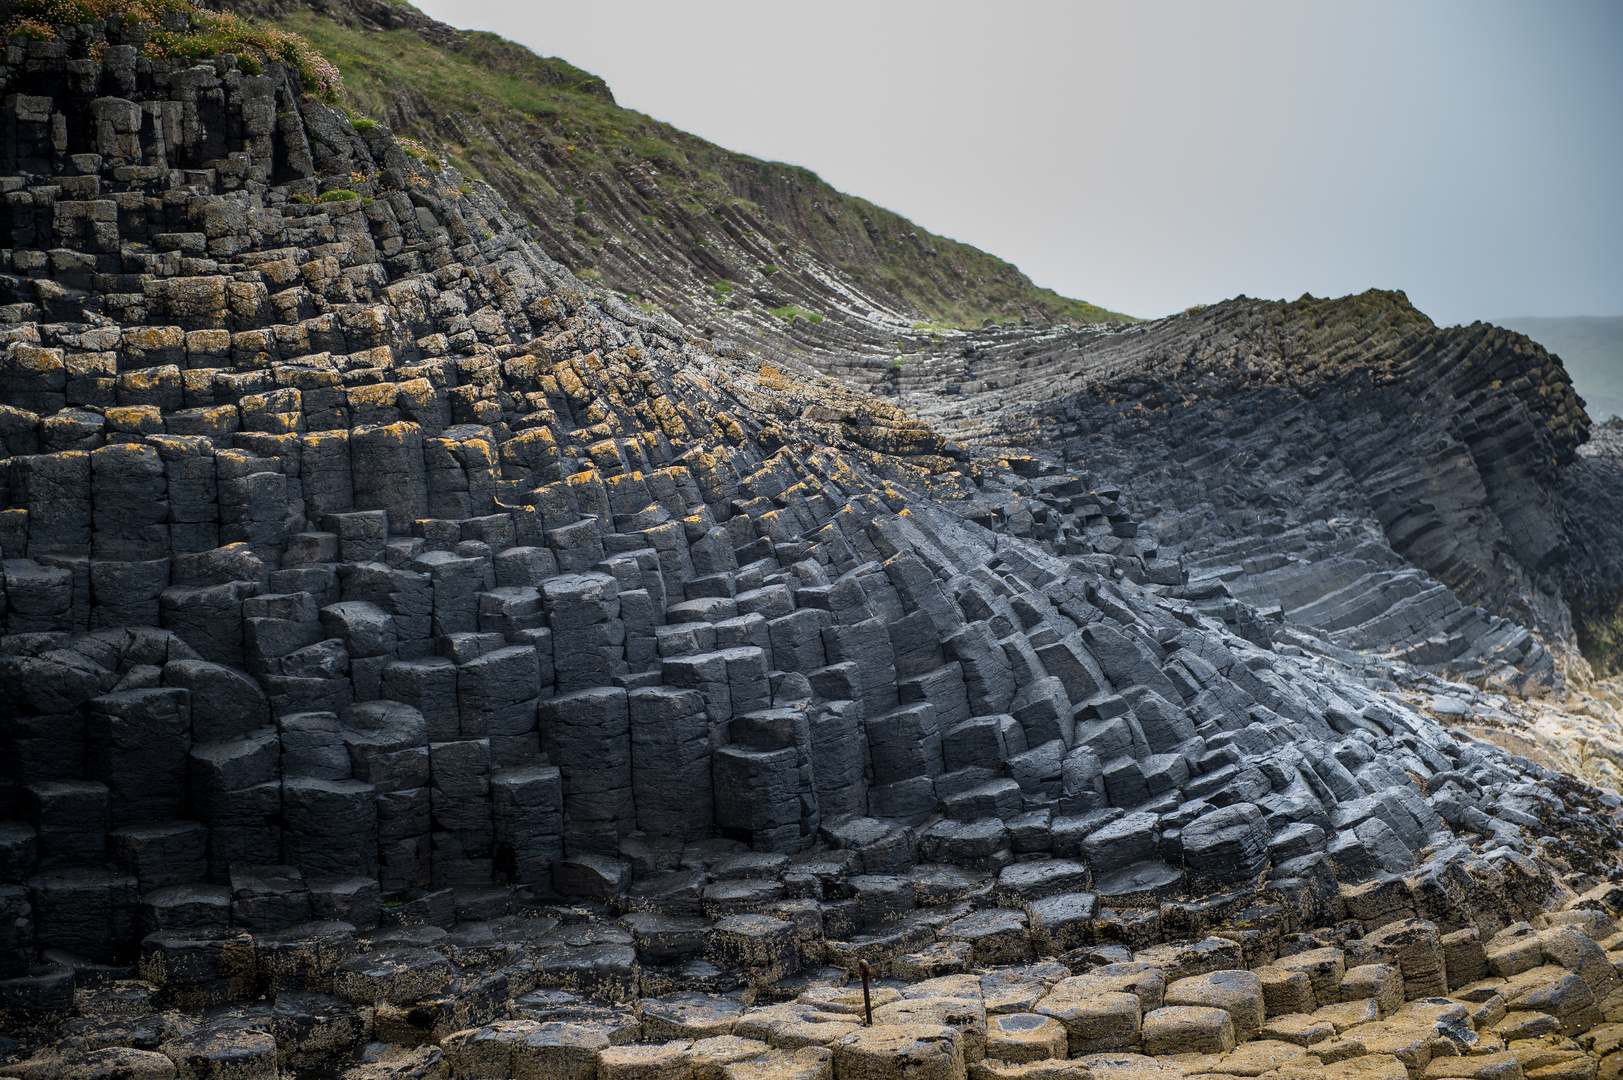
867	1004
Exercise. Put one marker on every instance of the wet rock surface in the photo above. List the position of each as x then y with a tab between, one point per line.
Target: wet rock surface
415	666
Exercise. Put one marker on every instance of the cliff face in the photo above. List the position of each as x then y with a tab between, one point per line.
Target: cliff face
1248	428
760	253
1592	501
1457	442
409	658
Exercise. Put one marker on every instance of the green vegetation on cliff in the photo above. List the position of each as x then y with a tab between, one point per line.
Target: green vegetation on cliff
178	30
660	214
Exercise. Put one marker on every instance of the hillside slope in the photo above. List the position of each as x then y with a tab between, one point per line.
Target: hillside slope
731	246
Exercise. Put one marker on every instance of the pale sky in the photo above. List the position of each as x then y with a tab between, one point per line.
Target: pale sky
1148	156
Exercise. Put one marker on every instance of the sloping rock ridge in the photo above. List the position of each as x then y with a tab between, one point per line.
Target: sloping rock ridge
415	668
1387	484
760	256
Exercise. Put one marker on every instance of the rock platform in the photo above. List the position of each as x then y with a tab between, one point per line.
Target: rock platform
1409	982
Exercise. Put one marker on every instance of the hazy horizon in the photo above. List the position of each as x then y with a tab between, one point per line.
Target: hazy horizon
1150	157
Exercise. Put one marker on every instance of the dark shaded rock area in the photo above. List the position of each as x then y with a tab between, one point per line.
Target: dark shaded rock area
413	667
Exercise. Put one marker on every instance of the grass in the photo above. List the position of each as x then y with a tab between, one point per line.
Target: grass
417	150
486	70
551	139
1600	638
788	312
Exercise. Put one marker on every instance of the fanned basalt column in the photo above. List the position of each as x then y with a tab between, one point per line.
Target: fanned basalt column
1388	484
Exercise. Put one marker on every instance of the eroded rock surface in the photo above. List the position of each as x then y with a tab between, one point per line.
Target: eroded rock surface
1380	483
414	666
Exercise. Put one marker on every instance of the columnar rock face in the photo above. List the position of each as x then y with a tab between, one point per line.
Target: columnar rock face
403	645
1388	485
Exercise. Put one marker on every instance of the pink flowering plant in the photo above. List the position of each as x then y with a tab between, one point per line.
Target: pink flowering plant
207	34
